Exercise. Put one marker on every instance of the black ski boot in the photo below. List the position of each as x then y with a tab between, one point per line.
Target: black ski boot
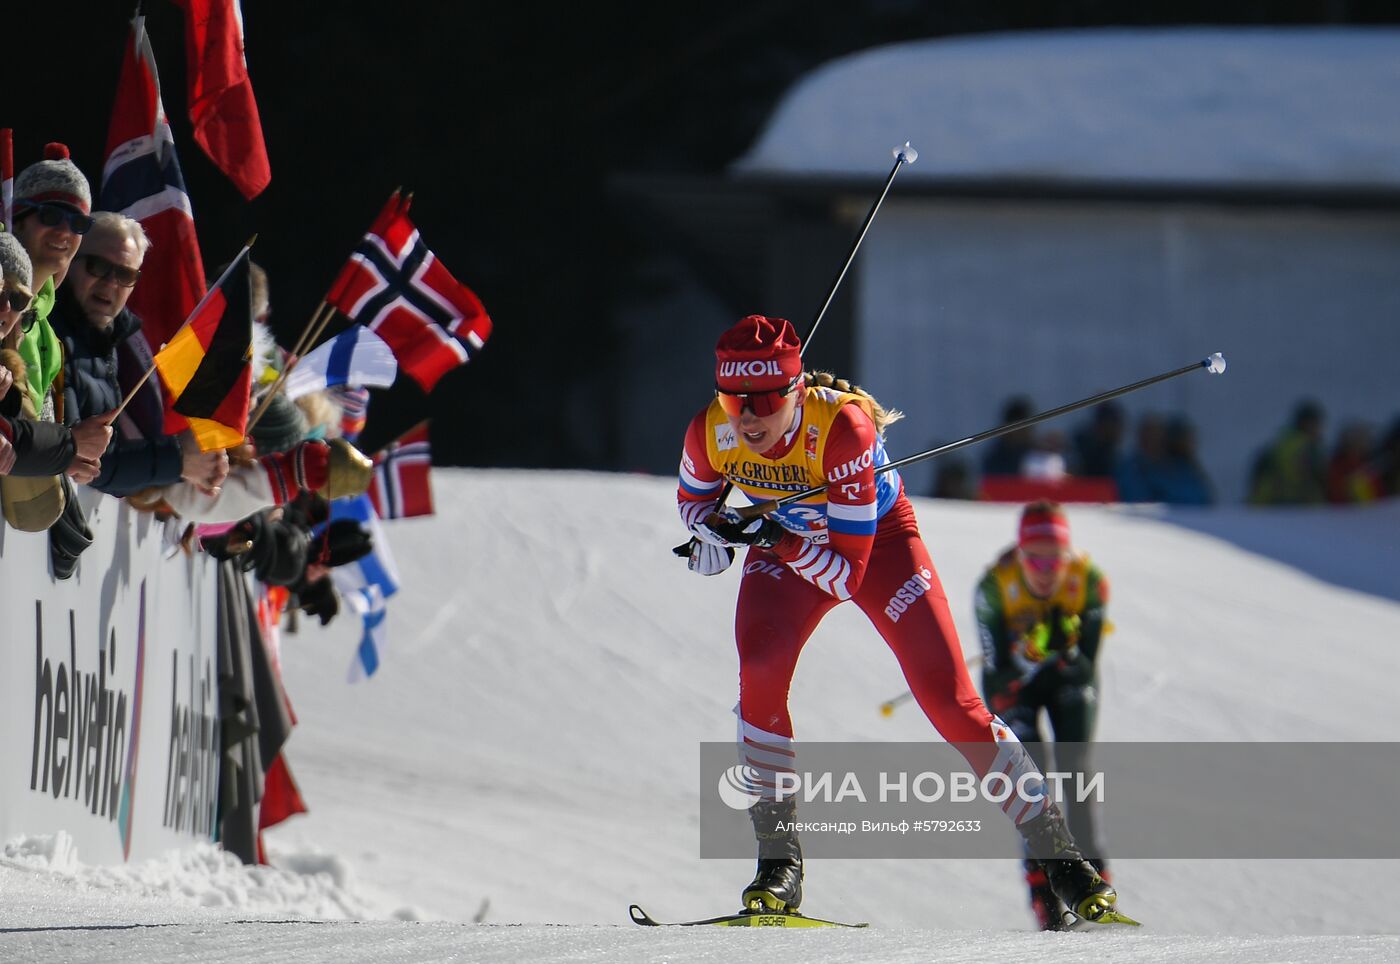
1049	912
777	885
1072	878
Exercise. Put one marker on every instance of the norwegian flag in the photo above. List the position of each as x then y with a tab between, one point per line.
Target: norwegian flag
399	288
400	487
141	178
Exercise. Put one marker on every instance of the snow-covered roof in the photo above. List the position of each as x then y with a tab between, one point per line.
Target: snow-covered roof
1297	106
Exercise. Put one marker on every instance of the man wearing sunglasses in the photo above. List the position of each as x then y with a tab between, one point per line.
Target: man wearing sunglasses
1041	616
93	323
52	202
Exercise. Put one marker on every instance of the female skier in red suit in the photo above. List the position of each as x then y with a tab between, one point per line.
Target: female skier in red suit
772	430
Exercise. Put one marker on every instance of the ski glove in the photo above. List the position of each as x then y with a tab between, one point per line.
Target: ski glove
735	531
709	560
1075	669
1064	632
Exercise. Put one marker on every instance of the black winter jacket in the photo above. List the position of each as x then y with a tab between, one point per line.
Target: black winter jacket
41	448
91	387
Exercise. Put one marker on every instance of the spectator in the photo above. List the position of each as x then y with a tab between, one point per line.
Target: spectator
1182	480
1293	470
1351	476
1387	461
1138	475
51	203
1009	451
953	480
1096	444
91	320
39	448
1046	459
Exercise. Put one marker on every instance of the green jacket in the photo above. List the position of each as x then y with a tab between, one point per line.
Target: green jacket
40	348
1019	640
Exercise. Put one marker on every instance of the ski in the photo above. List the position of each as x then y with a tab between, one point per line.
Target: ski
741	919
1073	922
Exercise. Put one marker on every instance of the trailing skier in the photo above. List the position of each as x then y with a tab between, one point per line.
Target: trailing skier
1041	617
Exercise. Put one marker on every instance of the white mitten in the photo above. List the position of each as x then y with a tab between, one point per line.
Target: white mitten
709	560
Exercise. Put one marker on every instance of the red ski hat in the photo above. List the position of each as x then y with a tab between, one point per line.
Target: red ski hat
759	354
1044	520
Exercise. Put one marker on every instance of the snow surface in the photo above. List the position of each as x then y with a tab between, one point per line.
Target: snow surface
526	754
1303	106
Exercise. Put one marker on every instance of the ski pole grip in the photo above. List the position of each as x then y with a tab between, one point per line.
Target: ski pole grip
747	512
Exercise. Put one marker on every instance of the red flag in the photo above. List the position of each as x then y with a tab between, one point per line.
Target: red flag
399	488
399	288
141	178
281	798
7	176
222	108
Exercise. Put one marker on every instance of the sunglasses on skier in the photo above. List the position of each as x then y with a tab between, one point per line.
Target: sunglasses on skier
51	215
1043	564
761	404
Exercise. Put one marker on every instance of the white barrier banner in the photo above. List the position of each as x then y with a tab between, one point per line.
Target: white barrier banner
109	690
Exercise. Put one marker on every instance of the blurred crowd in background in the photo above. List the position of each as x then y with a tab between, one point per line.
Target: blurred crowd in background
1155	460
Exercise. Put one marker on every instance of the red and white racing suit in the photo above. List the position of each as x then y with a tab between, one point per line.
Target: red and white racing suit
858	541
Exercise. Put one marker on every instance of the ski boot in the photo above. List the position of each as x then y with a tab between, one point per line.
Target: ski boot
1049	912
1072	878
777	885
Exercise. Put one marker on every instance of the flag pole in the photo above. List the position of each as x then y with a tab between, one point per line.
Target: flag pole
192	315
313	330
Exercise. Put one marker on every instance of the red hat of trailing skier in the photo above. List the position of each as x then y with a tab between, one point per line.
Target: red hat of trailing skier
759	354
1044	521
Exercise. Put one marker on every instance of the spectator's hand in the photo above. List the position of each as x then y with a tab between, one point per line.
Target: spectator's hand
243	453
238	540
92	435
221	468
343	541
83	470
7	451
732	530
317	598
205	470
7	379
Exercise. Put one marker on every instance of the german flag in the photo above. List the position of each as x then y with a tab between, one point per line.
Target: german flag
207	367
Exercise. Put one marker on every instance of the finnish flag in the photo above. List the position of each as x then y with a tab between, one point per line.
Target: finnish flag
356	356
366	583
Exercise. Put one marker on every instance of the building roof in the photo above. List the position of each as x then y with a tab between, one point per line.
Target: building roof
1278	108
